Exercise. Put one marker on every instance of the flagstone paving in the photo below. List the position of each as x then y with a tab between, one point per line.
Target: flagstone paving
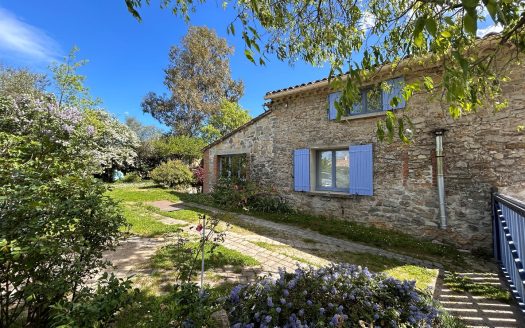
290	248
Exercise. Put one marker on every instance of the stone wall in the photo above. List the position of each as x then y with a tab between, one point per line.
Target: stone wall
482	151
256	140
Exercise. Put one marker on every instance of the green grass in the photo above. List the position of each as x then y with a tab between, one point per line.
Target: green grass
391	267
460	283
188	215
270	247
143	223
140	192
168	257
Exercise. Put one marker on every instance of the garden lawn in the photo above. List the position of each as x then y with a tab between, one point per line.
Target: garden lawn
140	192
141	222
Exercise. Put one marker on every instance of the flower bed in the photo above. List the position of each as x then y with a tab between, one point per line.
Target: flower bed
340	295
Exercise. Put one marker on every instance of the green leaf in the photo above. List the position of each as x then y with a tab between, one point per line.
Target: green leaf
380	131
418	32
428	83
431	26
449	21
231	29
470	3
492	8
248	54
470	23
446	34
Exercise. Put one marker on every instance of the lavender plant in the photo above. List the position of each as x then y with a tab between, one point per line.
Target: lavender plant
340	295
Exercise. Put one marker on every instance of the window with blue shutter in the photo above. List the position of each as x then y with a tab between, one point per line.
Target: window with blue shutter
395	90
301	169
332	111
361	170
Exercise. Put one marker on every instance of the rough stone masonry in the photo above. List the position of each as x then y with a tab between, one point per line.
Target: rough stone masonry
482	150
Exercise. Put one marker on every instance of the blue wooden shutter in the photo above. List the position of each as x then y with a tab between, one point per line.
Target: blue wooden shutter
332	111
361	170
301	169
396	89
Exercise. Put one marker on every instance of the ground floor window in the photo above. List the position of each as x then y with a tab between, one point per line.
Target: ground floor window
349	170
233	167
332	170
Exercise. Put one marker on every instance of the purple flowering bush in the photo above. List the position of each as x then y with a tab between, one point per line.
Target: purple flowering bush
55	220
341	295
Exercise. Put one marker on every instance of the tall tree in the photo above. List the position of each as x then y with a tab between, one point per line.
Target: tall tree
230	117
144	132
70	89
19	81
359	37
198	78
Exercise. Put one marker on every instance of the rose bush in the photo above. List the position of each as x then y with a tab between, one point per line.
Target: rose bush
341	295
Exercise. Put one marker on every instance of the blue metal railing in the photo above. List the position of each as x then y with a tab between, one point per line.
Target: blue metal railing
509	241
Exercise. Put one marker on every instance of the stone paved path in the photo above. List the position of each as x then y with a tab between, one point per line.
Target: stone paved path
291	243
132	252
477	311
294	235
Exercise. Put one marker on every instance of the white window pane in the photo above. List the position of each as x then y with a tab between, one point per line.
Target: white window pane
342	172
325	169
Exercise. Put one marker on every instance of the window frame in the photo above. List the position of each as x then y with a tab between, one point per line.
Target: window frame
333	188
229	158
364	102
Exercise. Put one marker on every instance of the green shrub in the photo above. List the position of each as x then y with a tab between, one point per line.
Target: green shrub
132	177
94	307
247	195
172	174
182	306
55	222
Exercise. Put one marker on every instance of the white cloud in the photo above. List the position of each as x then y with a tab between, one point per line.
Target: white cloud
24	41
489	29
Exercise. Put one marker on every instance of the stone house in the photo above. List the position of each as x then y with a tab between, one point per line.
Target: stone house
338	168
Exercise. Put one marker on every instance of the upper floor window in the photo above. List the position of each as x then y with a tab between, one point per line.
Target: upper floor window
233	167
373	99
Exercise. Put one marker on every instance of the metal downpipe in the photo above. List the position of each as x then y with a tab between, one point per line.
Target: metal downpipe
440	178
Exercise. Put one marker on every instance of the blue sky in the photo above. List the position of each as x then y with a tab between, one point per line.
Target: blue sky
127	58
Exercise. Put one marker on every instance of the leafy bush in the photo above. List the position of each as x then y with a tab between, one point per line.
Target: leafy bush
340	295
183	306
132	177
94	308
55	222
172	174
247	195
